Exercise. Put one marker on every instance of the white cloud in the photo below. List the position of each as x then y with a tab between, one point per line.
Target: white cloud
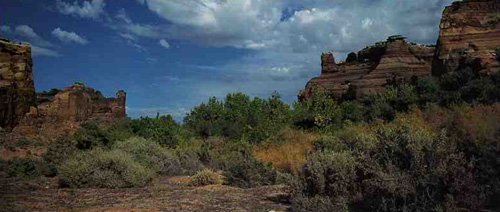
89	9
5	29
341	25
366	23
28	33
240	24
122	15
127	36
69	37
151	60
39	51
138	47
164	43
145	30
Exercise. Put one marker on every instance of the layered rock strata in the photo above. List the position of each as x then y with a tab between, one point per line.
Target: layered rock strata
367	71
468	29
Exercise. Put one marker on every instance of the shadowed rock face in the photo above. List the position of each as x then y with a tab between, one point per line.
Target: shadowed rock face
17	90
369	70
468	29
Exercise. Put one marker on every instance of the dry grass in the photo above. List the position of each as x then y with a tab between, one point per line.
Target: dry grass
206	177
288	151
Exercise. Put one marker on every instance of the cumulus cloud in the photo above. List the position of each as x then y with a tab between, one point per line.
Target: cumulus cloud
40	51
30	35
88	9
317	26
164	43
69	37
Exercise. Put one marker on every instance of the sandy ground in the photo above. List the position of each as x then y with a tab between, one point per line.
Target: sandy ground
164	194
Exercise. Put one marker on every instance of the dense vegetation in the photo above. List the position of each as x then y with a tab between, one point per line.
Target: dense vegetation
426	144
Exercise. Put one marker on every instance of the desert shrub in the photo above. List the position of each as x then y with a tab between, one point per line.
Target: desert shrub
395	98
90	135
238	117
162	129
103	169
22	167
326	174
119	131
3	136
151	155
189	160
206	177
320	112
57	153
240	168
352	111
22	142
432	160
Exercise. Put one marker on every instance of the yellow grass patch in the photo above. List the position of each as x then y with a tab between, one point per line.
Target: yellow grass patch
288	151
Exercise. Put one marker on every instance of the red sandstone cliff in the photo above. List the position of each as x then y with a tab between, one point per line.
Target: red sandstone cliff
368	71
469	29
64	110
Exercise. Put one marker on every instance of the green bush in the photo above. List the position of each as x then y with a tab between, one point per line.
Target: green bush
162	129
151	155
205	177
238	117
103	169
402	166
119	131
320	112
189	160
90	135
326	182
22	142
57	153
22	167
241	169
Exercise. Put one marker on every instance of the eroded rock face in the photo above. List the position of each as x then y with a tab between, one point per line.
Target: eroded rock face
64	110
369	70
468	29
17	90
24	113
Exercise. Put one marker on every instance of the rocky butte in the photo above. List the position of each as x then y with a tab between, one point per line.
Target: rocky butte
367	71
26	113
469	30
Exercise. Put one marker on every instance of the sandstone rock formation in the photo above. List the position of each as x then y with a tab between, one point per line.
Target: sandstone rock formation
17	90
61	111
24	113
369	70
468	29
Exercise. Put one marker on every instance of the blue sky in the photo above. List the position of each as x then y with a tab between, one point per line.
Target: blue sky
171	55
